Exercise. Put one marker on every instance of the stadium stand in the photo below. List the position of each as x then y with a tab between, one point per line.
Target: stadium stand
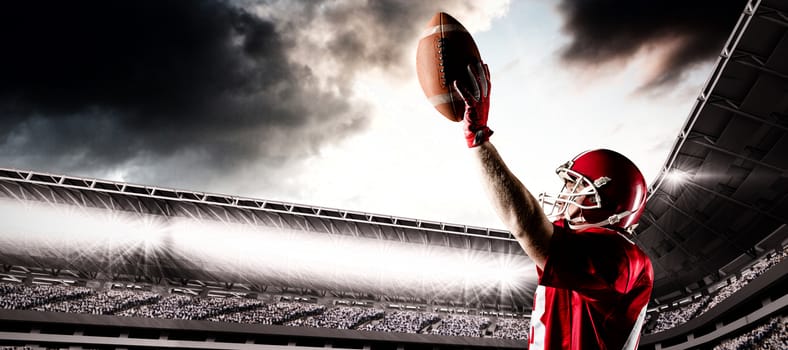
746	276
135	303
27	297
131	303
102	303
402	322
771	335
276	313
512	328
139	303
674	317
191	308
461	325
341	317
683	312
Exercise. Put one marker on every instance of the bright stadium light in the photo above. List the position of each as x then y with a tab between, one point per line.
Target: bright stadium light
677	177
251	253
339	261
76	234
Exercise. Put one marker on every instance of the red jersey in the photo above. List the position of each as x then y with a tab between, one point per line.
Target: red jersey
592	293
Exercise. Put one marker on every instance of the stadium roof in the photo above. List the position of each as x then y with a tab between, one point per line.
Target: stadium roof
89	192
720	198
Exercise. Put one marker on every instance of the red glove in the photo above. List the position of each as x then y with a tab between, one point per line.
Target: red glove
477	105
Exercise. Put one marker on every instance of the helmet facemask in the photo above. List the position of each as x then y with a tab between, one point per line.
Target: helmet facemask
578	193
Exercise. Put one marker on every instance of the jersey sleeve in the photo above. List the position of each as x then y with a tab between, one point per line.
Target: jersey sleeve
598	265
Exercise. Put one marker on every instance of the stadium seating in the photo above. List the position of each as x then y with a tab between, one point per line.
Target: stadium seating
136	303
461	325
274	313
27	297
676	316
107	302
771	335
402	321
340	317
512	328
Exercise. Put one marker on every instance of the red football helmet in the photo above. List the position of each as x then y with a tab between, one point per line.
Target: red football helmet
605	188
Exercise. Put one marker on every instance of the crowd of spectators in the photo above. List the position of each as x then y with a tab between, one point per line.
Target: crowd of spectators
107	302
461	326
190	308
273	313
8	288
749	274
401	322
67	298
671	318
772	335
339	317
27	297
677	316
512	328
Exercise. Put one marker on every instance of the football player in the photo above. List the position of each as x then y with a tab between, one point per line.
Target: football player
594	282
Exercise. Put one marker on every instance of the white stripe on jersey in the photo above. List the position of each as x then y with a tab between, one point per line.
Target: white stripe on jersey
634	334
537	327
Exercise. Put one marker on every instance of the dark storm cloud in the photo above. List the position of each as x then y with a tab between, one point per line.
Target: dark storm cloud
167	89
606	30
372	34
96	84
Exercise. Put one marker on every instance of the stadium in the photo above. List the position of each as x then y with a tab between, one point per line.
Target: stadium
169	268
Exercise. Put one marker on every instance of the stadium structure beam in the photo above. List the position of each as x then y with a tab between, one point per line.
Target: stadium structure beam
190	214
10	192
102	191
303	226
702	224
268	217
354	229
733	200
216	215
74	199
250	217
42	196
710	145
400	234
751	60
669	235
323	223
650	217
133	206
730	106
110	205
773	15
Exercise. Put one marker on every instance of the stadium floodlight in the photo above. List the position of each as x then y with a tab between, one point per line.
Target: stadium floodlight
251	253
339	261
676	176
44	232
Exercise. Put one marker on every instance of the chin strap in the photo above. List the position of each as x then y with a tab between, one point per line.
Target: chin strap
612	220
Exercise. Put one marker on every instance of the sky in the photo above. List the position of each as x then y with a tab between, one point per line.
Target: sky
317	102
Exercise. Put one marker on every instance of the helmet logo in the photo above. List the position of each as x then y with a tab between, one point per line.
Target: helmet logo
601	181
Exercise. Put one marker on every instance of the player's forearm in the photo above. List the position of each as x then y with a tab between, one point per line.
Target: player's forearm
517	208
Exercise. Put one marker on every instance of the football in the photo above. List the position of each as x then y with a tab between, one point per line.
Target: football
444	52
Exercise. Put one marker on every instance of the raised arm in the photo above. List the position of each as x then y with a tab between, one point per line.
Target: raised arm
518	209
